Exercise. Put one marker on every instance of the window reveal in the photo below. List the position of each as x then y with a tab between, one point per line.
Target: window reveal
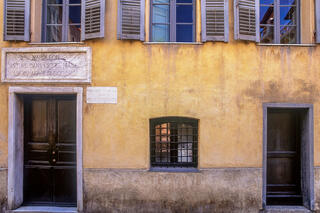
174	142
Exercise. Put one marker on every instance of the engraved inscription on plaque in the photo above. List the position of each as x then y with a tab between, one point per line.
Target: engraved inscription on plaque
102	95
46	64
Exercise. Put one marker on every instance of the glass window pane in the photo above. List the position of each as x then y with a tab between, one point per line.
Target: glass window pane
287	2
74	1
288	35
266	15
74	34
184	13
184	33
75	14
54	15
54	1
160	33
54	34
184	1
266	2
267	34
288	15
161	1
161	14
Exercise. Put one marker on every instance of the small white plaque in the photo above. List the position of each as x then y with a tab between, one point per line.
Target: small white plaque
102	95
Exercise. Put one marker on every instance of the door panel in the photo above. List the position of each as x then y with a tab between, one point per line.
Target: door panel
39	121
65	190
50	150
39	185
66	121
283	158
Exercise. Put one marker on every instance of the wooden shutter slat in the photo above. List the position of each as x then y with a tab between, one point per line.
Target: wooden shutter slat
17	20
92	19
215	20
317	5
246	20
131	19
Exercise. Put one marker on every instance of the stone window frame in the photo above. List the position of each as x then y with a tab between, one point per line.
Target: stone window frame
15	141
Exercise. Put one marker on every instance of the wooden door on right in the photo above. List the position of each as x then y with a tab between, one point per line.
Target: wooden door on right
283	157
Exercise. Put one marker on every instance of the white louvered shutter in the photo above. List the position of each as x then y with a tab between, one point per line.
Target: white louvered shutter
215	20
17	20
131	19
92	19
246	22
318	20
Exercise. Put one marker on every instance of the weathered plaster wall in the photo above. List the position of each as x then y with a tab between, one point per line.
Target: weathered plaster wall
317	187
3	189
212	190
222	84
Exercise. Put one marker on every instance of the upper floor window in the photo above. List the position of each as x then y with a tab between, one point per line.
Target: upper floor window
279	21
174	142
172	20
62	21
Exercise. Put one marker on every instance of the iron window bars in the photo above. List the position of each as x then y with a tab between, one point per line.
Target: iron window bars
174	142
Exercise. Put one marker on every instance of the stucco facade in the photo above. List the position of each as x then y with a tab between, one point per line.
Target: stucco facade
224	85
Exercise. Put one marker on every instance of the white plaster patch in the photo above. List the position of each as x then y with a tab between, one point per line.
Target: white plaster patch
46	64
102	95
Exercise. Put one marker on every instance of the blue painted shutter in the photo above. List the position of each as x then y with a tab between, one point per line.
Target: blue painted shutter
131	19
215	20
246	20
317	2
92	19
17	20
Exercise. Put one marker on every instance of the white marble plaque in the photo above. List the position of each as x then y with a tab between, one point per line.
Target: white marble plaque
102	95
46	64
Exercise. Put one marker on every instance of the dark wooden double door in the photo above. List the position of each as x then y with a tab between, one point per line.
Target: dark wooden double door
284	157
50	150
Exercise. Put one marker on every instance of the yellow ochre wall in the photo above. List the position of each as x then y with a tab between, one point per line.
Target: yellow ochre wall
221	84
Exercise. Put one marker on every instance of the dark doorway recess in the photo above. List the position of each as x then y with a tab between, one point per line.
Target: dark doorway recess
288	155
50	150
283	157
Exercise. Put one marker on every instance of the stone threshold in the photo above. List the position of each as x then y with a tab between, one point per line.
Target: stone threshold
43	209
286	209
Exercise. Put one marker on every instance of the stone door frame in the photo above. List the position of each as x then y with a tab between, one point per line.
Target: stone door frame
307	144
16	142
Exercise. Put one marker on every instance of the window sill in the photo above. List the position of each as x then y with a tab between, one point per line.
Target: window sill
174	43
174	170
289	45
56	43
